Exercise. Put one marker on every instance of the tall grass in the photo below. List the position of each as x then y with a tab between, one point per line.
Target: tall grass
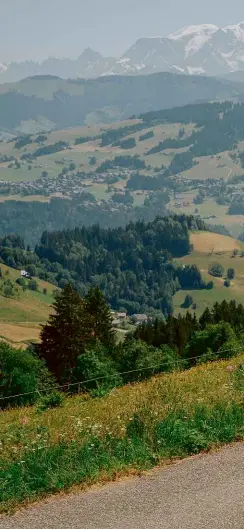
133	428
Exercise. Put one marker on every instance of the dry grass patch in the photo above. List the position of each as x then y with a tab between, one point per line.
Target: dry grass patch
207	242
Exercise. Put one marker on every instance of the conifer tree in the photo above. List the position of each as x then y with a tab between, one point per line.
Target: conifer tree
101	317
65	336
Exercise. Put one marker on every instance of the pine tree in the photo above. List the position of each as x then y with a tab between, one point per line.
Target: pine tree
101	317
66	335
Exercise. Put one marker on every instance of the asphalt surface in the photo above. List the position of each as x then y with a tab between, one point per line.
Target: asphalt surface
206	492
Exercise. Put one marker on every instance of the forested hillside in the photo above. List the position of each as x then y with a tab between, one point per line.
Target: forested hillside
132	265
60	103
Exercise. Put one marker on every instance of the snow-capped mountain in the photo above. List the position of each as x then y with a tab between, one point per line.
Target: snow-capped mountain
200	50
203	49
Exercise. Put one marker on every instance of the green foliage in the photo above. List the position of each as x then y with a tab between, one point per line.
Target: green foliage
84	139
122	198
113	136
216	270
216	338
129	143
41	138
146	136
55	399
66	335
125	162
22	142
21	372
50	149
33	285
21	282
231	273
145	360
96	366
187	302
100	315
220	124
132	266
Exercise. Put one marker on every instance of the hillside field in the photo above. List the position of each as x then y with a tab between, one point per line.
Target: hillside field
21	316
213	248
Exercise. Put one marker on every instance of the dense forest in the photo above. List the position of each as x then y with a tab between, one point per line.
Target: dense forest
133	266
30	219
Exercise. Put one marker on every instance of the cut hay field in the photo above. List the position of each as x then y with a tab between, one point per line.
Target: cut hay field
134	428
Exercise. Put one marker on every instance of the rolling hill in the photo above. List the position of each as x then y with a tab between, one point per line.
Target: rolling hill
48	102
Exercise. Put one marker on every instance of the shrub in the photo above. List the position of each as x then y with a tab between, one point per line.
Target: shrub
21	372
96	365
33	285
54	400
216	270
21	281
214	338
148	360
187	302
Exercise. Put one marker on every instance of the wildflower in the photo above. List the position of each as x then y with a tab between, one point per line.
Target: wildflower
230	368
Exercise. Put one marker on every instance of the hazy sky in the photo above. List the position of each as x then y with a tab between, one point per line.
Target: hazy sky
35	29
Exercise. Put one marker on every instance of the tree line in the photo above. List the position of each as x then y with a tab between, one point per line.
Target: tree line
134	266
79	352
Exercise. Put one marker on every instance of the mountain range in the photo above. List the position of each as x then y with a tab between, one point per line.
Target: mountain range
197	50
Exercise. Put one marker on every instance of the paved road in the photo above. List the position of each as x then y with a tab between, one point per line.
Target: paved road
206	492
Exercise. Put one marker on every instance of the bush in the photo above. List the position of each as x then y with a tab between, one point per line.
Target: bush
129	143
21	372
216	270
33	285
53	400
21	281
187	302
213	339
227	283
96	365
148	360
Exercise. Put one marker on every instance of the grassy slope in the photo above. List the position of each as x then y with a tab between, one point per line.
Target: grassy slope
133	428
20	317
209	248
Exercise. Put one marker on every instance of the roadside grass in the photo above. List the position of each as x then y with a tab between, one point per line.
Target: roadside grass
133	428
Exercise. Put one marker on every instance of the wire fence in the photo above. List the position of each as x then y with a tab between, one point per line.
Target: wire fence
68	385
